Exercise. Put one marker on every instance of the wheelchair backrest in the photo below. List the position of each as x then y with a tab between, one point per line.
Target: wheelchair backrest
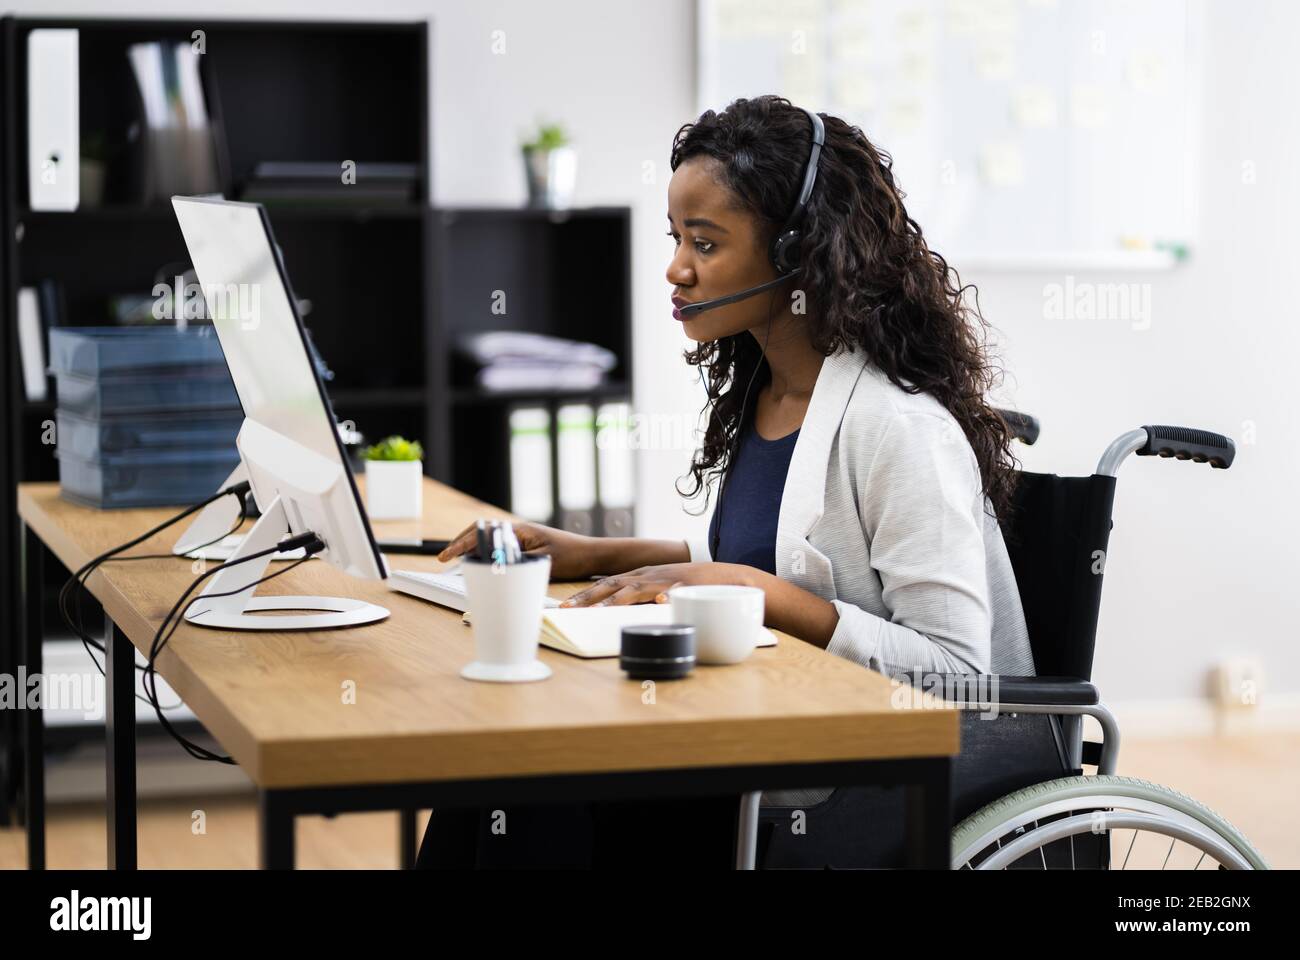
1057	537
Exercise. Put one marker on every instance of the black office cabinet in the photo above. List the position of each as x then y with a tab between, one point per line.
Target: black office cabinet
566	273
274	91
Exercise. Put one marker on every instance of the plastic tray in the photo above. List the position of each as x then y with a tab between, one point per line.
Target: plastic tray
132	351
166	480
124	438
199	389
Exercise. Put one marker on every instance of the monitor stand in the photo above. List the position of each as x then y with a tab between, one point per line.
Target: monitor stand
239	610
212	523
208	536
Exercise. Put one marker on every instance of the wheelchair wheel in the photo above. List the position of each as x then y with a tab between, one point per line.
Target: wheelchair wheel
1103	822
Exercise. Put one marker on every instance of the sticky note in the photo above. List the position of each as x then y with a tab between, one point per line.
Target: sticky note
1002	164
1033	106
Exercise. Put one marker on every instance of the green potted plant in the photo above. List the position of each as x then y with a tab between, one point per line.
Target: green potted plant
551	165
394	479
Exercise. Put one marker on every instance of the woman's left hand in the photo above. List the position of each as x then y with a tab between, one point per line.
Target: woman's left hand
651	584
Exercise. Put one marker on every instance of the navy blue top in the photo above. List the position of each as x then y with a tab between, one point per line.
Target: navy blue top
751	501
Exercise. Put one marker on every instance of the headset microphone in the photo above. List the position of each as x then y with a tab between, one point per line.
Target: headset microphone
690	309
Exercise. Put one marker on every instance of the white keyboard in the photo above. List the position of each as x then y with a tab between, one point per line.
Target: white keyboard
446	589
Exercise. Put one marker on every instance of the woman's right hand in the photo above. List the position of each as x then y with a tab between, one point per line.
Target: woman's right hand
573	556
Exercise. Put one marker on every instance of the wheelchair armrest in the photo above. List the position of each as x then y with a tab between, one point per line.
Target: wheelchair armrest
962	689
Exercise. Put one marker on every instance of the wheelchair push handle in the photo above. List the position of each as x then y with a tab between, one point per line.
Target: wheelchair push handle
1158	440
1022	426
1188	443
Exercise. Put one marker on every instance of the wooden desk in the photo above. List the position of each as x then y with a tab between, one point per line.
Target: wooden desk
418	735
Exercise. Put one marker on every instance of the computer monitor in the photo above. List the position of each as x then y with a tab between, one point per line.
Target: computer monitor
289	444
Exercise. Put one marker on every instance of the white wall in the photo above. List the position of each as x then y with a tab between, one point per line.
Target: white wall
1201	559
1201	564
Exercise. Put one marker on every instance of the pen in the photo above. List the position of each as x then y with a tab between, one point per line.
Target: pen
484	547
512	544
498	546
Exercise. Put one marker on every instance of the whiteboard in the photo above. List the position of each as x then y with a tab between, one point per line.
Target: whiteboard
1024	132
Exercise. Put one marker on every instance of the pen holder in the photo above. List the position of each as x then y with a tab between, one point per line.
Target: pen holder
505	603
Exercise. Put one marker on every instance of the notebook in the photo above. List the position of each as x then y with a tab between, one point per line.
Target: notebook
596	631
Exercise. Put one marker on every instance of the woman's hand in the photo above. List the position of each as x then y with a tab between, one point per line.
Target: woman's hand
573	556
651	584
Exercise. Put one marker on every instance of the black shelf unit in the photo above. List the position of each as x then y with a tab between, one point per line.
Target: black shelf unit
566	273
276	91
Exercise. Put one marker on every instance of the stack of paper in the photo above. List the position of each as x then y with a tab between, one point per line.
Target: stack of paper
512	360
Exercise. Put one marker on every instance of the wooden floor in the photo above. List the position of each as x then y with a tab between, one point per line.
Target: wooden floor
1252	781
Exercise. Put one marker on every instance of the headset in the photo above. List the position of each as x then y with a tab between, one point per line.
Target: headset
784	253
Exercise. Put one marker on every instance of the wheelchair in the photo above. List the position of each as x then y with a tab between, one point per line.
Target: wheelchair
1019	792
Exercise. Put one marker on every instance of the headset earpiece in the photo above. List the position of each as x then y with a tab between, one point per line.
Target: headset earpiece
785	250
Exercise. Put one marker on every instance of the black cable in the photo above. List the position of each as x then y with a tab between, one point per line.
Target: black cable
308	541
239	522
151	669
86	640
69	600
733	444
243	516
82	575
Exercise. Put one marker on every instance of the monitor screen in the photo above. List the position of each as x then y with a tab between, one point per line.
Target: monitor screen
248	298
256	322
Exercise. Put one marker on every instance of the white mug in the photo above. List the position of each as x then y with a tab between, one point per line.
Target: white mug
726	617
505	607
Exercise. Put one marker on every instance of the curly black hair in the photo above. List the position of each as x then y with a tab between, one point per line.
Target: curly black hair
870	281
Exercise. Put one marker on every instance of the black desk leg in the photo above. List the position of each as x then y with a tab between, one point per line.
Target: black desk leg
275	824
406	839
929	818
119	663
33	721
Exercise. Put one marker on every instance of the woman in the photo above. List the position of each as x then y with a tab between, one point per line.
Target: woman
862	469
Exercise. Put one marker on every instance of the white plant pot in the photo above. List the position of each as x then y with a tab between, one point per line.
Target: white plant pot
395	489
552	176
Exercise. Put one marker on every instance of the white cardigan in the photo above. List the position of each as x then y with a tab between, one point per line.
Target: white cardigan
883	515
